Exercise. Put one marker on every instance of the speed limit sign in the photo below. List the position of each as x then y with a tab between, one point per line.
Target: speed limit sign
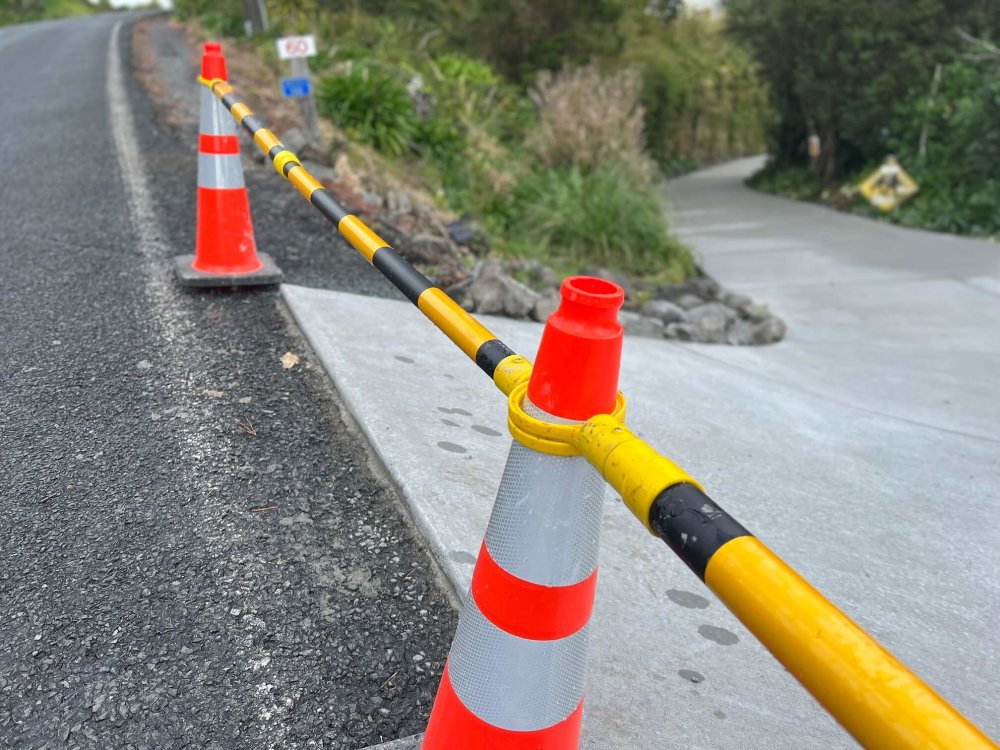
290	47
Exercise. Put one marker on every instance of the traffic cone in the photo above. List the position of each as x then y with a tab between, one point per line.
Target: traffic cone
225	251
515	675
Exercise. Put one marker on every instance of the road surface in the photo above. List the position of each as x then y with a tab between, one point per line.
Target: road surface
170	579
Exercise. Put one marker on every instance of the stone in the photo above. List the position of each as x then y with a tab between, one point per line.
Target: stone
427	249
372	198
709	322
493	292
664	310
735	301
398	202
640	325
704	287
679	331
688	300
470	234
294	140
768	331
545	306
740	333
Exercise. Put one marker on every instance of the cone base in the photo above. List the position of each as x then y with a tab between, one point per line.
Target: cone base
407	743
268	273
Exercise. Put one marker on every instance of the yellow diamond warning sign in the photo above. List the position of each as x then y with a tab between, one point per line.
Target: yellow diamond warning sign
888	186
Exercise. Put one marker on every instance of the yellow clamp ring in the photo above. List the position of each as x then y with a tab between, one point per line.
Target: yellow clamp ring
211	83
284	157
547	437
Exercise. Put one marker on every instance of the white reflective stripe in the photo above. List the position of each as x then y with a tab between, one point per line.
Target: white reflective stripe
220	171
546	523
214	120
512	682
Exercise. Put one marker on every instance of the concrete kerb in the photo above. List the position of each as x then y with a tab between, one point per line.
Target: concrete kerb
406	743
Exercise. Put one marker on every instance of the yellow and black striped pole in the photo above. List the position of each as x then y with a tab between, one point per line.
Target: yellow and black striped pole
864	687
471	336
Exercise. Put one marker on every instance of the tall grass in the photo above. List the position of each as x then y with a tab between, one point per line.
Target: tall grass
591	119
580	219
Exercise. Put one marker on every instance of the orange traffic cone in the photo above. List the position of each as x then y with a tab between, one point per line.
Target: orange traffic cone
516	671
225	251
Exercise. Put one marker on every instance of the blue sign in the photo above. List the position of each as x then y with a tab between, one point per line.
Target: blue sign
295	87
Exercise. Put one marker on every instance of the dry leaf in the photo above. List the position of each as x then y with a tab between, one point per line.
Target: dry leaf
213	394
289	360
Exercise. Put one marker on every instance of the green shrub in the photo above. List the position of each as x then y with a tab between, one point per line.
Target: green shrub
791	182
580	220
371	106
959	175
457	68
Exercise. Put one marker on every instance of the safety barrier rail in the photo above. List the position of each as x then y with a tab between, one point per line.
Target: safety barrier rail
864	687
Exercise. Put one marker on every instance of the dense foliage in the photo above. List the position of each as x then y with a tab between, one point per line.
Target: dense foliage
20	11
545	119
860	75
959	172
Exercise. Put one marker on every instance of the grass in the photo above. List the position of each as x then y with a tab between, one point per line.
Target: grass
578	219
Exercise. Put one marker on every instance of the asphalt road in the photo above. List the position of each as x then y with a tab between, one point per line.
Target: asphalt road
167	578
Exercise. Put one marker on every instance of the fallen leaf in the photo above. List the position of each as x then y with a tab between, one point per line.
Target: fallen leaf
289	360
213	394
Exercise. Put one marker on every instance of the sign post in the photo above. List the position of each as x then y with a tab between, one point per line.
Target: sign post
296	49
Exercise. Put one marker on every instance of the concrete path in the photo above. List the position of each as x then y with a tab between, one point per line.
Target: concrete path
898	322
863	449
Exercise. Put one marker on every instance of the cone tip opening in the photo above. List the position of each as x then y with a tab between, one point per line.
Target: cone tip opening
592	291
211	47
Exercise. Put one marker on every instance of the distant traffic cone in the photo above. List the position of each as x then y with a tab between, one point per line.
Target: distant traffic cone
225	251
516	672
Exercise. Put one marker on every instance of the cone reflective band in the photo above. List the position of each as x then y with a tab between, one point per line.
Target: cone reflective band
225	250
516	672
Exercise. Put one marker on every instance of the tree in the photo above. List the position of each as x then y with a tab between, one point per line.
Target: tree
838	69
522	37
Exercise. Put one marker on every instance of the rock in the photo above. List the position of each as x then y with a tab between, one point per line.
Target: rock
470	234
372	198
735	301
545	306
398	202
679	331
663	310
688	300
709	322
700	286
769	331
740	333
294	140
427	249
704	287
640	325
494	292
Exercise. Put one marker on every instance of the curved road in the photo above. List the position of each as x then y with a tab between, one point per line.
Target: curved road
898	322
167	578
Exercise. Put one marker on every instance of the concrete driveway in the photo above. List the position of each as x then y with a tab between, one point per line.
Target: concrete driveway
863	449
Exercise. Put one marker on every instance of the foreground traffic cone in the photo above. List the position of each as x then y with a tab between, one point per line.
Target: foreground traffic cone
225	251
515	675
